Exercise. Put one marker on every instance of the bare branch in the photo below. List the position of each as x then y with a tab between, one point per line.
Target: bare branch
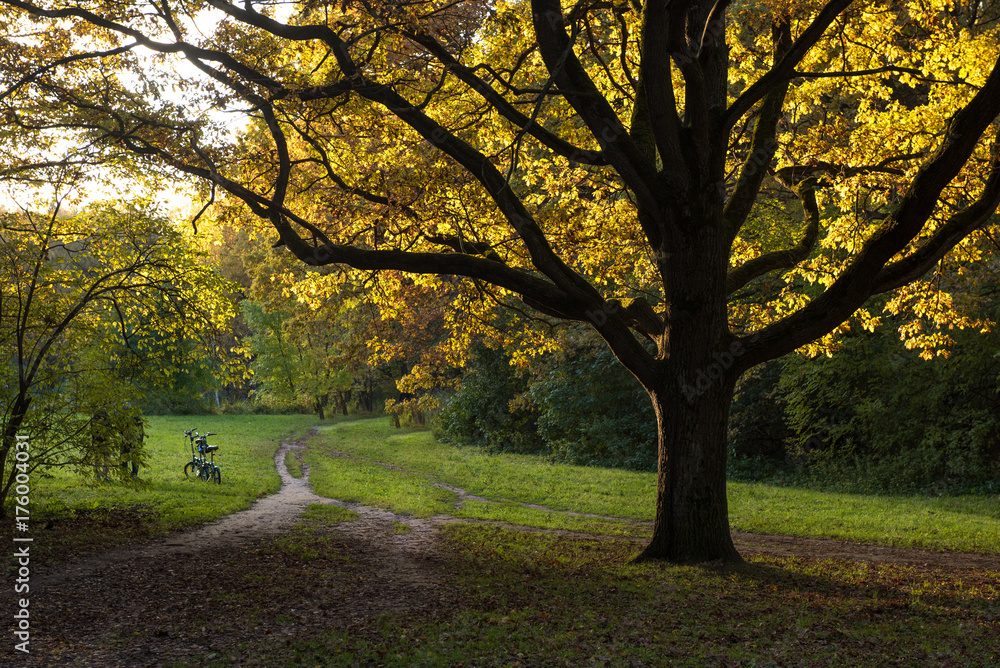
505	108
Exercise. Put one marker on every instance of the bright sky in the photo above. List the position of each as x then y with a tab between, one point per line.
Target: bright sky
171	197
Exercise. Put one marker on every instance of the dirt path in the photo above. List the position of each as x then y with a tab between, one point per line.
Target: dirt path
270	516
167	599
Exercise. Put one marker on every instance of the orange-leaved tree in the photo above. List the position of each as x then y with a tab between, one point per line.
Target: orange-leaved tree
634	165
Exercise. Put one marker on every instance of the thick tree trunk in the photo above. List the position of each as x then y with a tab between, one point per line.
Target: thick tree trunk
691	391
692	515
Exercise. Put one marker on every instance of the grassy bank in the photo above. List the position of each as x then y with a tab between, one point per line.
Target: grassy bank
968	523
409	472
70	516
490	596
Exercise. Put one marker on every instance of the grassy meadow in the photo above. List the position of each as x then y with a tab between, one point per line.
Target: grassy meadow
71	515
496	596
410	473
966	523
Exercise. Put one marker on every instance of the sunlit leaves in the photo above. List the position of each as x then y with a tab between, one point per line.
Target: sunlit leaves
95	308
866	106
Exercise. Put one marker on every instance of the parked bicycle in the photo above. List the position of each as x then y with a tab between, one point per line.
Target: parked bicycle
202	462
209	471
194	466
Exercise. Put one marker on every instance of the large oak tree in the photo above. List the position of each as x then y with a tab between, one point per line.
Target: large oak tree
727	152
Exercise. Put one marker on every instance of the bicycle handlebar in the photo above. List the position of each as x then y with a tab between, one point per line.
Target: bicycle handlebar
188	432
211	433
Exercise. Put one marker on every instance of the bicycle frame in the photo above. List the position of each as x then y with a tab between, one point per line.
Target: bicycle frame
202	461
210	471
197	462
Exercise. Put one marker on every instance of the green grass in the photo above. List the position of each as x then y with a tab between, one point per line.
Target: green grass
307	540
523	478
87	517
964	523
326	513
374	485
501	597
513	513
293	464
98	517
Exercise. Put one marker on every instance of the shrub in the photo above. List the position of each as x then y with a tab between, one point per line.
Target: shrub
579	406
592	411
485	411
877	417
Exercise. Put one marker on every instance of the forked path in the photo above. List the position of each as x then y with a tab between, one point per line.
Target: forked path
179	599
270	516
173	599
748	544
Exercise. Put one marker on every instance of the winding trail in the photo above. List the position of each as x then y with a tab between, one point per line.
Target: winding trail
275	514
270	516
143	605
747	543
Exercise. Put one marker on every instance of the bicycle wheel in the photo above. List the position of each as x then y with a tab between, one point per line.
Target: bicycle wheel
190	469
217	475
205	472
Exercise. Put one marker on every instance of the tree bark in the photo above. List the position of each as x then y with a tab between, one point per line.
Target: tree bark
19	411
343	397
692	388
692	515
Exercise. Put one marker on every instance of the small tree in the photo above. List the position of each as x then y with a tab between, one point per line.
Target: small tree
80	297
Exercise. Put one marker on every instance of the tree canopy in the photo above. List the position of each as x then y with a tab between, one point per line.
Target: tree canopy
709	185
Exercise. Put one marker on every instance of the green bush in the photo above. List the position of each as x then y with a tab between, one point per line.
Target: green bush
578	407
874	417
591	411
485	411
757	425
879	414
